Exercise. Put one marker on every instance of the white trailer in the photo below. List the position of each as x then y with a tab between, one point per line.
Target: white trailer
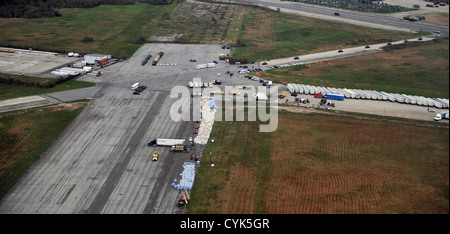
407	99
419	100
305	89
352	94
442	101
438	103
166	142
291	88
298	88
430	102
346	93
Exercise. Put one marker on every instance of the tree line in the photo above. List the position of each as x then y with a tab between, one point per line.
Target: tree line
50	8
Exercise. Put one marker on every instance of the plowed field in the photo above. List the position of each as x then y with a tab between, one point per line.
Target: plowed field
315	164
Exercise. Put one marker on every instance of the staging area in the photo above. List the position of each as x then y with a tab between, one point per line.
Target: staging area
33	63
101	163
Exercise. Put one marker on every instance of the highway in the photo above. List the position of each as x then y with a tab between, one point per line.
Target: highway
384	21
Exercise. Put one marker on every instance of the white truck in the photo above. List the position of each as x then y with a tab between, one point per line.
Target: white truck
443	115
166	142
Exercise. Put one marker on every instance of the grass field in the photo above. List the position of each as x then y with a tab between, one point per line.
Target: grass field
317	164
420	69
25	135
14	91
113	29
199	23
271	35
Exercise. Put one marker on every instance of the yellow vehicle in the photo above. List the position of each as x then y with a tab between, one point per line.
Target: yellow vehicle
282	95
155	155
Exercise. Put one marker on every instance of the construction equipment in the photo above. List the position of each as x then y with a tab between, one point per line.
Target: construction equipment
155	155
217	82
282	95
178	148
223	56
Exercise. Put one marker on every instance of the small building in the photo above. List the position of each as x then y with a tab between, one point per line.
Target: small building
93	58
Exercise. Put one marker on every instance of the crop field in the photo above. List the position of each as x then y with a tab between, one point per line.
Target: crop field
25	135
419	69
271	35
322	164
113	29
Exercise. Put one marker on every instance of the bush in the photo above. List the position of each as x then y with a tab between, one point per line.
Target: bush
88	39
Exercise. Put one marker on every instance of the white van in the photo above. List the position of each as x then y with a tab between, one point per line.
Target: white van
135	86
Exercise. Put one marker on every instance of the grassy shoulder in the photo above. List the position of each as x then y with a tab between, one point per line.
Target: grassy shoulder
321	164
15	91
270	35
113	29
418	69
26	134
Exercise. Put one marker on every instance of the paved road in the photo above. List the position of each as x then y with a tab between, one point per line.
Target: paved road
383	21
334	54
101	163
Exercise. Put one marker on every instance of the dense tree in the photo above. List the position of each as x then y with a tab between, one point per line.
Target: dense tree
49	8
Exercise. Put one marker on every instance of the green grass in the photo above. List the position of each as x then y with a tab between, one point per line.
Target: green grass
112	27
15	91
25	135
421	69
273	35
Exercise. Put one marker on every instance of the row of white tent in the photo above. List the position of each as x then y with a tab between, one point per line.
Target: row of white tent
70	71
369	94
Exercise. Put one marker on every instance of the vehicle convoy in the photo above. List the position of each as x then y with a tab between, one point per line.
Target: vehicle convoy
166	142
157	58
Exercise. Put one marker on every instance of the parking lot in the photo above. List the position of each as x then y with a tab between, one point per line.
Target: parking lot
33	63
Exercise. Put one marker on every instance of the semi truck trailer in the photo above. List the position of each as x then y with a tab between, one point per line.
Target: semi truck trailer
166	142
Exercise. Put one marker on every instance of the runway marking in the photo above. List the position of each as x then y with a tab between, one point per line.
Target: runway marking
27	65
2	63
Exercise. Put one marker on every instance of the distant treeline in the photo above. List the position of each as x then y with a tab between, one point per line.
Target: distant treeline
49	8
